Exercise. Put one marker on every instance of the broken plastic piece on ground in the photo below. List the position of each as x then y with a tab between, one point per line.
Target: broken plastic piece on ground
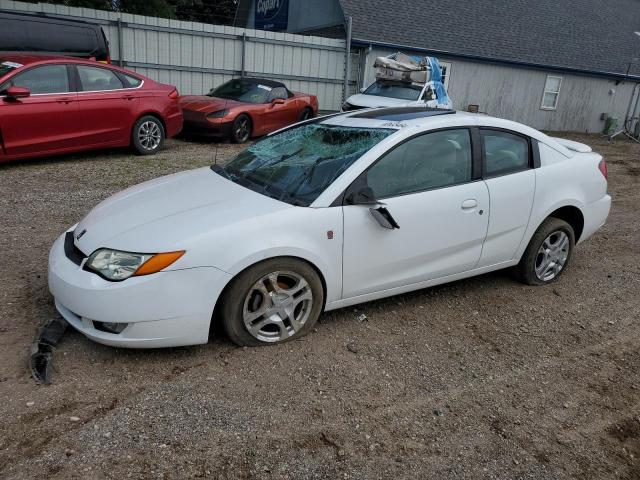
40	363
41	352
362	317
52	332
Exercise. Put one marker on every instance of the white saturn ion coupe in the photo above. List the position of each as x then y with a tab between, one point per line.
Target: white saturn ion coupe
327	213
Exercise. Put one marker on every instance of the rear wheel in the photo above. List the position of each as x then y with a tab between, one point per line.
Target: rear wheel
241	129
306	114
272	302
548	254
148	135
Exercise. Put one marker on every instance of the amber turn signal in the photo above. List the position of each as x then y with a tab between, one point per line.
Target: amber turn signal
158	262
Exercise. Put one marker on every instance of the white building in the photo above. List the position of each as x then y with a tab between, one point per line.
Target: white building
552	64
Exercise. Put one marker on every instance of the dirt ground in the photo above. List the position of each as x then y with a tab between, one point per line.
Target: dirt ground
482	378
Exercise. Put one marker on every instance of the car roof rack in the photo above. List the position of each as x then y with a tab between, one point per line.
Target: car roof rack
402	113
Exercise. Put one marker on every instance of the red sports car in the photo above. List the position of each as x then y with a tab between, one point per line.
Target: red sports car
244	108
52	105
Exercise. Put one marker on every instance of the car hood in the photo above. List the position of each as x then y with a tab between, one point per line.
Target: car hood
203	103
168	213
372	101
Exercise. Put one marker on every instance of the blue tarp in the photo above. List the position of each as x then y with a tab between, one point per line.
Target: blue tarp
436	75
436	78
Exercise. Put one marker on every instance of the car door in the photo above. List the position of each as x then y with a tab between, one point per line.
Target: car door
45	121
430	187
278	112
106	108
509	173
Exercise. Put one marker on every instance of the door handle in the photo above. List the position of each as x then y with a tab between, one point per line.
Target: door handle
469	204
64	100
128	97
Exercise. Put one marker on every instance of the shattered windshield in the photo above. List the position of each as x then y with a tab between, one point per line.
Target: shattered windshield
297	165
401	90
242	91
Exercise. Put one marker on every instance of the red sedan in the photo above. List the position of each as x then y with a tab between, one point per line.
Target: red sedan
52	105
244	108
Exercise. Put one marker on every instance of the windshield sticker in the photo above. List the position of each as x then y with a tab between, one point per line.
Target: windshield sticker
264	87
395	124
12	64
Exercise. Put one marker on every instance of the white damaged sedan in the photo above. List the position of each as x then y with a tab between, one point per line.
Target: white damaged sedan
328	213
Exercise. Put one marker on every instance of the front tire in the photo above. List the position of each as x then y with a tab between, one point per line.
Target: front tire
241	129
272	302
548	254
148	135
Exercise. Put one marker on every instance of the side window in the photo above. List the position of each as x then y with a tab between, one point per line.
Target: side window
504	152
39	80
433	160
279	92
94	79
551	92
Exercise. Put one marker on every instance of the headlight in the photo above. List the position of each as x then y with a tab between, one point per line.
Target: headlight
218	114
116	265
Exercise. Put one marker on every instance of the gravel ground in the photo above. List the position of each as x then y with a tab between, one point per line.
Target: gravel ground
482	378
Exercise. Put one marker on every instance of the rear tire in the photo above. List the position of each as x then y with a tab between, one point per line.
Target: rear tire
148	135
306	114
241	129
548	254
272	302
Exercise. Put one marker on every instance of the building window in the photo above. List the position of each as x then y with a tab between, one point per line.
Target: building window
551	93
446	70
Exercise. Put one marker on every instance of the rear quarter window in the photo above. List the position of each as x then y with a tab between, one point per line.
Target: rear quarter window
504	152
131	81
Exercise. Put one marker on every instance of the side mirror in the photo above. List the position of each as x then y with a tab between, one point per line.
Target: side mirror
363	196
17	92
277	101
384	218
363	89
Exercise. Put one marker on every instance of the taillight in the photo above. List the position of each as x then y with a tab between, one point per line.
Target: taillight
174	93
602	166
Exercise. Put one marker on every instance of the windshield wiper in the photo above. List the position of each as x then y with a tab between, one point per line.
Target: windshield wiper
239	179
219	169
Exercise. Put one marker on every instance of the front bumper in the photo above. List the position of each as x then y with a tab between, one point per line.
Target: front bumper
196	123
166	309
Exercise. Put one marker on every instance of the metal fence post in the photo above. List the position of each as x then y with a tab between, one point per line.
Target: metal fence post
120	48
244	49
347	61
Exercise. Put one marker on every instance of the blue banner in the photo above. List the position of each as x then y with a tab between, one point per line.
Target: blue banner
271	14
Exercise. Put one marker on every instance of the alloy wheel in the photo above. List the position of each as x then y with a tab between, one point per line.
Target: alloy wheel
242	129
552	256
277	306
149	135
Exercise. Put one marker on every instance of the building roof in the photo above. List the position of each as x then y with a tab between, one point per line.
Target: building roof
591	36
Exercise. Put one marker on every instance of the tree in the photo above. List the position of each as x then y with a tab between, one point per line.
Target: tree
220	12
